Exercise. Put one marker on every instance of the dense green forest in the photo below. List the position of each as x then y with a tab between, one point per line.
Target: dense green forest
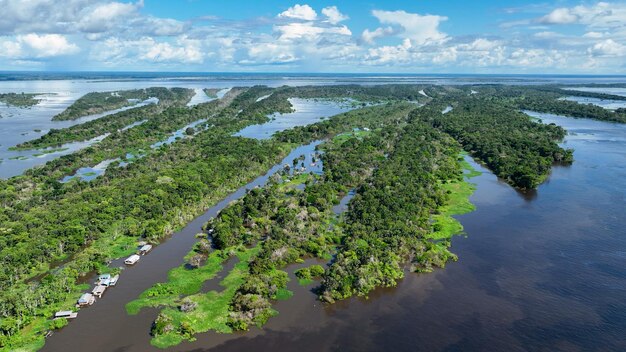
98	102
550	99
401	158
22	100
517	149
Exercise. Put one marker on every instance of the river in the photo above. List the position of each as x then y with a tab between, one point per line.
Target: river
538	271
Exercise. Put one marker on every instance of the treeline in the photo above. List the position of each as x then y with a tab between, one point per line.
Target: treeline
90	129
87	223
99	102
288	224
163	114
372	117
22	100
549	99
571	108
515	148
388	219
363	93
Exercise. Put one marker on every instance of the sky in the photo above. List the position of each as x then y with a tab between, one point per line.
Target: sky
412	36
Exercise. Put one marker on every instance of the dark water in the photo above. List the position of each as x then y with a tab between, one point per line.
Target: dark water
539	273
105	326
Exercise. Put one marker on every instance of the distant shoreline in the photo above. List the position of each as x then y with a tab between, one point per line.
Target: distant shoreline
134	75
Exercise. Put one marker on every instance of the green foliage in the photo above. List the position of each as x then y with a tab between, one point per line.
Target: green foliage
404	168
98	102
507	141
21	100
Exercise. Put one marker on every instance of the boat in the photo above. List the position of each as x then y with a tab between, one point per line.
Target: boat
132	259
145	249
114	280
86	299
98	291
65	314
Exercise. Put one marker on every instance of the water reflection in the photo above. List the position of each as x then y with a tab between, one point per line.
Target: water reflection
307	111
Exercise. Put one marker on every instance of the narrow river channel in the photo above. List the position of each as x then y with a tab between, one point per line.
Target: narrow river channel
536	271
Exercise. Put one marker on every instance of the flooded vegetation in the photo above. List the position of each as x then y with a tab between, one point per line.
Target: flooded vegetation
364	196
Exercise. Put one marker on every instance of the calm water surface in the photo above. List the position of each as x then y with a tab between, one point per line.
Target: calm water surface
536	272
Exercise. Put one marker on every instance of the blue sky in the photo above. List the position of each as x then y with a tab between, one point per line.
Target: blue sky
419	36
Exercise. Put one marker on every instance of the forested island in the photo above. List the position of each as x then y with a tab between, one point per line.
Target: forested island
21	100
98	102
400	155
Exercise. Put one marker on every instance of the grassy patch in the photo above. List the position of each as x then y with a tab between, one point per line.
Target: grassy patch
458	203
305	282
342	137
283	294
181	281
212	307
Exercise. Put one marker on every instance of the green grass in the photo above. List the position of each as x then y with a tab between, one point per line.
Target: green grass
21	157
305	282
181	281
294	181
458	203
342	137
283	294
213	307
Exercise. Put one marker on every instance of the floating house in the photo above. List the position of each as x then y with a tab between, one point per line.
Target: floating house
67	314
132	259
114	279
145	249
98	291
104	277
86	299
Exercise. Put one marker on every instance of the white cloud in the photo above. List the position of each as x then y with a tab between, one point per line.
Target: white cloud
308	30
160	26
270	53
370	36
47	45
608	48
104	17
10	49
165	52
299	12
114	33
390	54
480	44
594	35
602	14
560	16
420	29
333	15
34	46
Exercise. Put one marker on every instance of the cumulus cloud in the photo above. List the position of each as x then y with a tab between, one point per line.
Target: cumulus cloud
309	30
333	15
104	17
608	48
115	33
420	29
602	14
34	46
370	36
300	12
560	16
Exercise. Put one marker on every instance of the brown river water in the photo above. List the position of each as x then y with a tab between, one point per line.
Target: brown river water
544	271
